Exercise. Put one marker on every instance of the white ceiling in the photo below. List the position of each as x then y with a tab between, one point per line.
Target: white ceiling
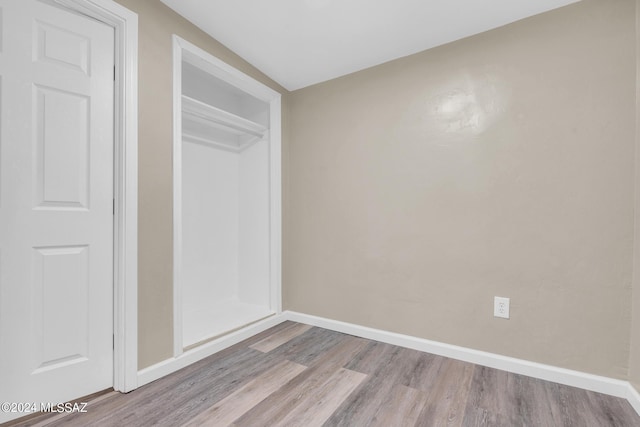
302	42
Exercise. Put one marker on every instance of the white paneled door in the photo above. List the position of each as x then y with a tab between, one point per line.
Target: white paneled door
56	203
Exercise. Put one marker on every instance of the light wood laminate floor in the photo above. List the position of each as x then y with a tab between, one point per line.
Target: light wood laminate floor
297	375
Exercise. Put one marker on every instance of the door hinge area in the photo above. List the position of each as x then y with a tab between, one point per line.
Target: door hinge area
113	342
114	206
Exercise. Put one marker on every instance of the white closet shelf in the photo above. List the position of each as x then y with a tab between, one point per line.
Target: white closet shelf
209	115
235	146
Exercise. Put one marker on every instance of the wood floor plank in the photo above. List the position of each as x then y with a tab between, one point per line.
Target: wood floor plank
524	401
212	385
622	409
519	399
236	404
425	371
275	408
484	402
123	403
194	394
314	410
372	357
448	397
568	406
607	411
308	347
385	365
266	333
279	338
540	403
402	407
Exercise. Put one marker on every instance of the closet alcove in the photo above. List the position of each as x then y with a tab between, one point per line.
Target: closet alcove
226	198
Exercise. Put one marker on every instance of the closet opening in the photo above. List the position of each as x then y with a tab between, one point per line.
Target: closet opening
226	198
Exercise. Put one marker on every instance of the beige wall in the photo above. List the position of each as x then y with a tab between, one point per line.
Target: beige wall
502	164
634	357
157	23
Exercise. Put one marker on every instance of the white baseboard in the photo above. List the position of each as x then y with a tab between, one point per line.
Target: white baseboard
166	367
610	386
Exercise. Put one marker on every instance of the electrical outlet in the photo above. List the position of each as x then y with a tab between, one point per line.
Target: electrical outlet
501	307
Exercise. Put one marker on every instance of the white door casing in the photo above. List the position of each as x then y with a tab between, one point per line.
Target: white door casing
125	25
56	204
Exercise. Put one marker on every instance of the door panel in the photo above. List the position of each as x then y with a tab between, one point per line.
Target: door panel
58	45
62	148
56	204
62	278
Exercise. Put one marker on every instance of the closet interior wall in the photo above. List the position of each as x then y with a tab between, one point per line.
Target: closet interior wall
225	208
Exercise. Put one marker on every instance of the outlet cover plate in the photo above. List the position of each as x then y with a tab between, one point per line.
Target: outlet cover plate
501	307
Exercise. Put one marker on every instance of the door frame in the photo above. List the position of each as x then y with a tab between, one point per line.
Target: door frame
125	234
